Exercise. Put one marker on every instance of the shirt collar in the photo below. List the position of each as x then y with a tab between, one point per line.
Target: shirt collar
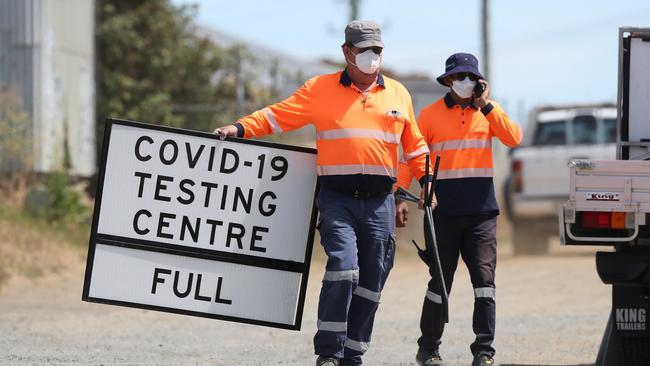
450	102
347	81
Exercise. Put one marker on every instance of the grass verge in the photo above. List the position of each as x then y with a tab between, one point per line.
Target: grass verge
32	247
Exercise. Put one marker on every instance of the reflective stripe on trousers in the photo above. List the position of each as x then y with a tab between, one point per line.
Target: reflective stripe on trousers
473	238
357	235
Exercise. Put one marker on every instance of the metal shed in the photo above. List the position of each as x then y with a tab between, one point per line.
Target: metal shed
47	60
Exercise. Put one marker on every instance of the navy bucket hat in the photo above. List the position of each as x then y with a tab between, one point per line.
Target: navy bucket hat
460	62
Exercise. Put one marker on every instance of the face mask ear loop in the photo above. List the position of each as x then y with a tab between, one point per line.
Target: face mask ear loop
354	58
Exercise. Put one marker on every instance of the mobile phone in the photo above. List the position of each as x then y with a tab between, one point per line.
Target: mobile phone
478	89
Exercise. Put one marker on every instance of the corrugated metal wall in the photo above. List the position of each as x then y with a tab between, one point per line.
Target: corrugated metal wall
47	57
17	48
17	45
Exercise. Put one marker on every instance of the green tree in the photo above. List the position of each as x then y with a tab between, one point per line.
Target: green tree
154	65
150	59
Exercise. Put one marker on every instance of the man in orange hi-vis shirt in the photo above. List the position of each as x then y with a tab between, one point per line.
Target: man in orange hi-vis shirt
459	128
361	117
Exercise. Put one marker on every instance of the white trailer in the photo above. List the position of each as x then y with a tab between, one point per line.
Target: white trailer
609	205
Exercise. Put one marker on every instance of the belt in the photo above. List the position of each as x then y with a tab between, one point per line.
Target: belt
361	194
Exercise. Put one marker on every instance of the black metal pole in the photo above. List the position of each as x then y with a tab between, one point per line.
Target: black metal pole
432	242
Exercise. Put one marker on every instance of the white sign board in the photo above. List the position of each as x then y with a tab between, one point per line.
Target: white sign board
187	223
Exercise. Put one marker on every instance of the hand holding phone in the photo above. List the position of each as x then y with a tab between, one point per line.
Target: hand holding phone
479	89
481	92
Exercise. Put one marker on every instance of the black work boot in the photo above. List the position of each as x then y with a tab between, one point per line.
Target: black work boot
483	360
429	358
327	361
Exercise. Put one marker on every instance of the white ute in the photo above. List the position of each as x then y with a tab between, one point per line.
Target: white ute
538	182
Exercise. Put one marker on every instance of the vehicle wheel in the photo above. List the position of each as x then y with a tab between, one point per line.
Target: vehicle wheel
531	237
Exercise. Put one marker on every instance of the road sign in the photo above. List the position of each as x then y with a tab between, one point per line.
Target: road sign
187	223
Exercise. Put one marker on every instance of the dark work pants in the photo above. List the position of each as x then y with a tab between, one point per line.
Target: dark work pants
358	237
473	238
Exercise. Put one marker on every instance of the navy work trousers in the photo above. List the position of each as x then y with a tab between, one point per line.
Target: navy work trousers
474	239
358	237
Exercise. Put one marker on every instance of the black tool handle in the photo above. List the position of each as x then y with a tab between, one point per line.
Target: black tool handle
426	179
435	261
431	192
432	246
405	195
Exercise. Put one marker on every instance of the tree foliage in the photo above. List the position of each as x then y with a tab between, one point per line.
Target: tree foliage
150	60
155	65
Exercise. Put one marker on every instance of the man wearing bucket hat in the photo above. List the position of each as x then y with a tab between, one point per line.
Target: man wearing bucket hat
361	118
459	128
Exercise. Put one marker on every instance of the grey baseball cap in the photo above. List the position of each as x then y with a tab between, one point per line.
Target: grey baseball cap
363	33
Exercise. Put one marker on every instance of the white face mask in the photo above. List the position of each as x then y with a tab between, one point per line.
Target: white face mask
463	88
367	62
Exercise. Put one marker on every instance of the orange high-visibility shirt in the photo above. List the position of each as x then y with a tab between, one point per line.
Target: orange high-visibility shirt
462	137
356	133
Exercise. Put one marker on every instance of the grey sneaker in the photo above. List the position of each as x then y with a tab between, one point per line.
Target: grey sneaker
484	360
327	361
429	358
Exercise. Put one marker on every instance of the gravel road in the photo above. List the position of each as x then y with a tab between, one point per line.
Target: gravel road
550	311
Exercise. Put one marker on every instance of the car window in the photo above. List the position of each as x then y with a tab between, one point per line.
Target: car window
609	126
584	130
550	133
